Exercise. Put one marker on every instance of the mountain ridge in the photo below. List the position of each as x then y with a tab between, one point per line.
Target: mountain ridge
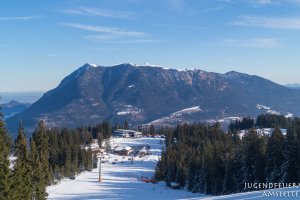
141	94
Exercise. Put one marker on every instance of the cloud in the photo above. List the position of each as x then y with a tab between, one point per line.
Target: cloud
53	55
261	43
269	22
114	31
118	40
111	34
99	12
175	26
19	18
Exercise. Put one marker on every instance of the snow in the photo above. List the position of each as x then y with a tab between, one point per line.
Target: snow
260	107
129	110
120	180
187	111
123	113
224	120
123	180
229	119
176	115
289	115
12	160
273	112
179	69
93	65
130	86
261	132
290	193
121	148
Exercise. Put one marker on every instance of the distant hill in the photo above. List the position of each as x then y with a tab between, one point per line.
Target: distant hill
143	94
294	86
12	108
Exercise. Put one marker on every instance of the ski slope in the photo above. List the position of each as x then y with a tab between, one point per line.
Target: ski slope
120	181
123	180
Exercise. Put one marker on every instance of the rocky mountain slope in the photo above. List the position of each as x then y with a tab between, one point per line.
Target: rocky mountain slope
142	94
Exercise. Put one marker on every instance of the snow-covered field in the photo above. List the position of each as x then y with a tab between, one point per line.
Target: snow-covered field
122	180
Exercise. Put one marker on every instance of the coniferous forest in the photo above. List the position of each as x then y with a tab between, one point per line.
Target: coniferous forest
48	156
206	159
201	158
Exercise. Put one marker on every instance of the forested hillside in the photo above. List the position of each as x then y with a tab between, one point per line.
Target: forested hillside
205	159
52	154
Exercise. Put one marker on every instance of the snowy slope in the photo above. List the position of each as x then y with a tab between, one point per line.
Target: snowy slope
123	181
176	117
120	181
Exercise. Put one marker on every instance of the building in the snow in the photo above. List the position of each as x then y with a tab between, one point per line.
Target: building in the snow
123	151
143	151
127	133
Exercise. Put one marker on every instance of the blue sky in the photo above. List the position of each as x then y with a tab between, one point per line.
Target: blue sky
43	41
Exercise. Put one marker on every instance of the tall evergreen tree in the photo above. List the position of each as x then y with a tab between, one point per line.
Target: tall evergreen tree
21	177
251	154
40	161
126	125
5	182
289	166
274	156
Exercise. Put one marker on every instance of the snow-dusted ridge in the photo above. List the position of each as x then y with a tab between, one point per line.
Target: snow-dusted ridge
176	116
231	74
156	66
93	65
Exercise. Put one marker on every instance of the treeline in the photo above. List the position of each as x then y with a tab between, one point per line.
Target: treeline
205	159
50	155
262	121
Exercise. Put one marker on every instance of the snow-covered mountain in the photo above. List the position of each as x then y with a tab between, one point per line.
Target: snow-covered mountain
143	94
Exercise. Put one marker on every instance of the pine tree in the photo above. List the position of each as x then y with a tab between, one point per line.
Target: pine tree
126	125
152	129
88	159
197	181
5	181
250	141
190	176
21	177
38	182
95	161
274	156
75	159
289	166
40	162
181	176
67	163
229	182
